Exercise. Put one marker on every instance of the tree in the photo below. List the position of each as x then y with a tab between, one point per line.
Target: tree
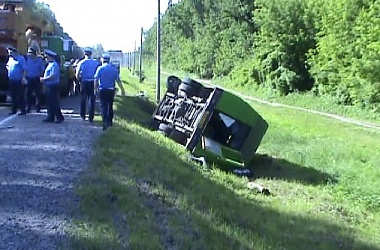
328	47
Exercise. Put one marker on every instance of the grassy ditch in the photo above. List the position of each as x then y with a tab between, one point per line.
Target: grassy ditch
141	191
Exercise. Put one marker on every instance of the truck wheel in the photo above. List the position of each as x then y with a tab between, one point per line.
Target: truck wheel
187	89
178	137
165	129
172	84
153	125
194	84
190	87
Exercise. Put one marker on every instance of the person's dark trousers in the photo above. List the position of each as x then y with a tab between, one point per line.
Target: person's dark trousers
76	87
87	93
71	86
17	92
34	93
52	103
106	106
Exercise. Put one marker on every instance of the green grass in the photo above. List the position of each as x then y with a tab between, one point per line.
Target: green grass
141	191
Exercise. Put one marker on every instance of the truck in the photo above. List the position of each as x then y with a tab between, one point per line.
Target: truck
21	27
209	121
71	50
116	58
12	33
56	44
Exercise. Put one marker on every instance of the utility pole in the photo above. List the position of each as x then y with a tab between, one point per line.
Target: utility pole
129	60
158	97
141	55
134	60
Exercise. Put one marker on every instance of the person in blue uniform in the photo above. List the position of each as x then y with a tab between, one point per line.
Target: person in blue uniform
85	71
51	81
105	78
35	68
17	71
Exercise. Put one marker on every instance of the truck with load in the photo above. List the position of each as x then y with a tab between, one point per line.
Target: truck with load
21	27
209	121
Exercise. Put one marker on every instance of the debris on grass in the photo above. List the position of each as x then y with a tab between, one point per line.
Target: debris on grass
259	188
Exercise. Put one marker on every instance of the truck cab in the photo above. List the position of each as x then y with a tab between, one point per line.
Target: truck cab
116	58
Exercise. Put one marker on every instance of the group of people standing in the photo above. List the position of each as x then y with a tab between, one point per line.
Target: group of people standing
32	72
98	80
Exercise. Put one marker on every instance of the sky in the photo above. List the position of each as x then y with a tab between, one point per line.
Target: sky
115	24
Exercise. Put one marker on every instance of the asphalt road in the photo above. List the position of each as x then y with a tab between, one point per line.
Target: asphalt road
39	164
4	110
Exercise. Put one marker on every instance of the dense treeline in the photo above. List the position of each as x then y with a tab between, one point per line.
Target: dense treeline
327	47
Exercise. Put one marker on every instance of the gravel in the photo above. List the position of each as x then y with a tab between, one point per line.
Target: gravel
38	166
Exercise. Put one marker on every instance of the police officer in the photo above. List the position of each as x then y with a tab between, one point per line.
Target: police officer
105	77
51	81
35	69
17	70
85	72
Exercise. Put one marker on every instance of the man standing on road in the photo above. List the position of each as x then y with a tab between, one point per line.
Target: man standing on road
35	67
17	70
85	72
51	81
105	78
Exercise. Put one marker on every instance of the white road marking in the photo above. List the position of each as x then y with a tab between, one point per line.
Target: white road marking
9	118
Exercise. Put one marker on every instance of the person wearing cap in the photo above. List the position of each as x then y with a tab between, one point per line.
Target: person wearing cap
85	72
35	69
105	77
17	71
51	81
